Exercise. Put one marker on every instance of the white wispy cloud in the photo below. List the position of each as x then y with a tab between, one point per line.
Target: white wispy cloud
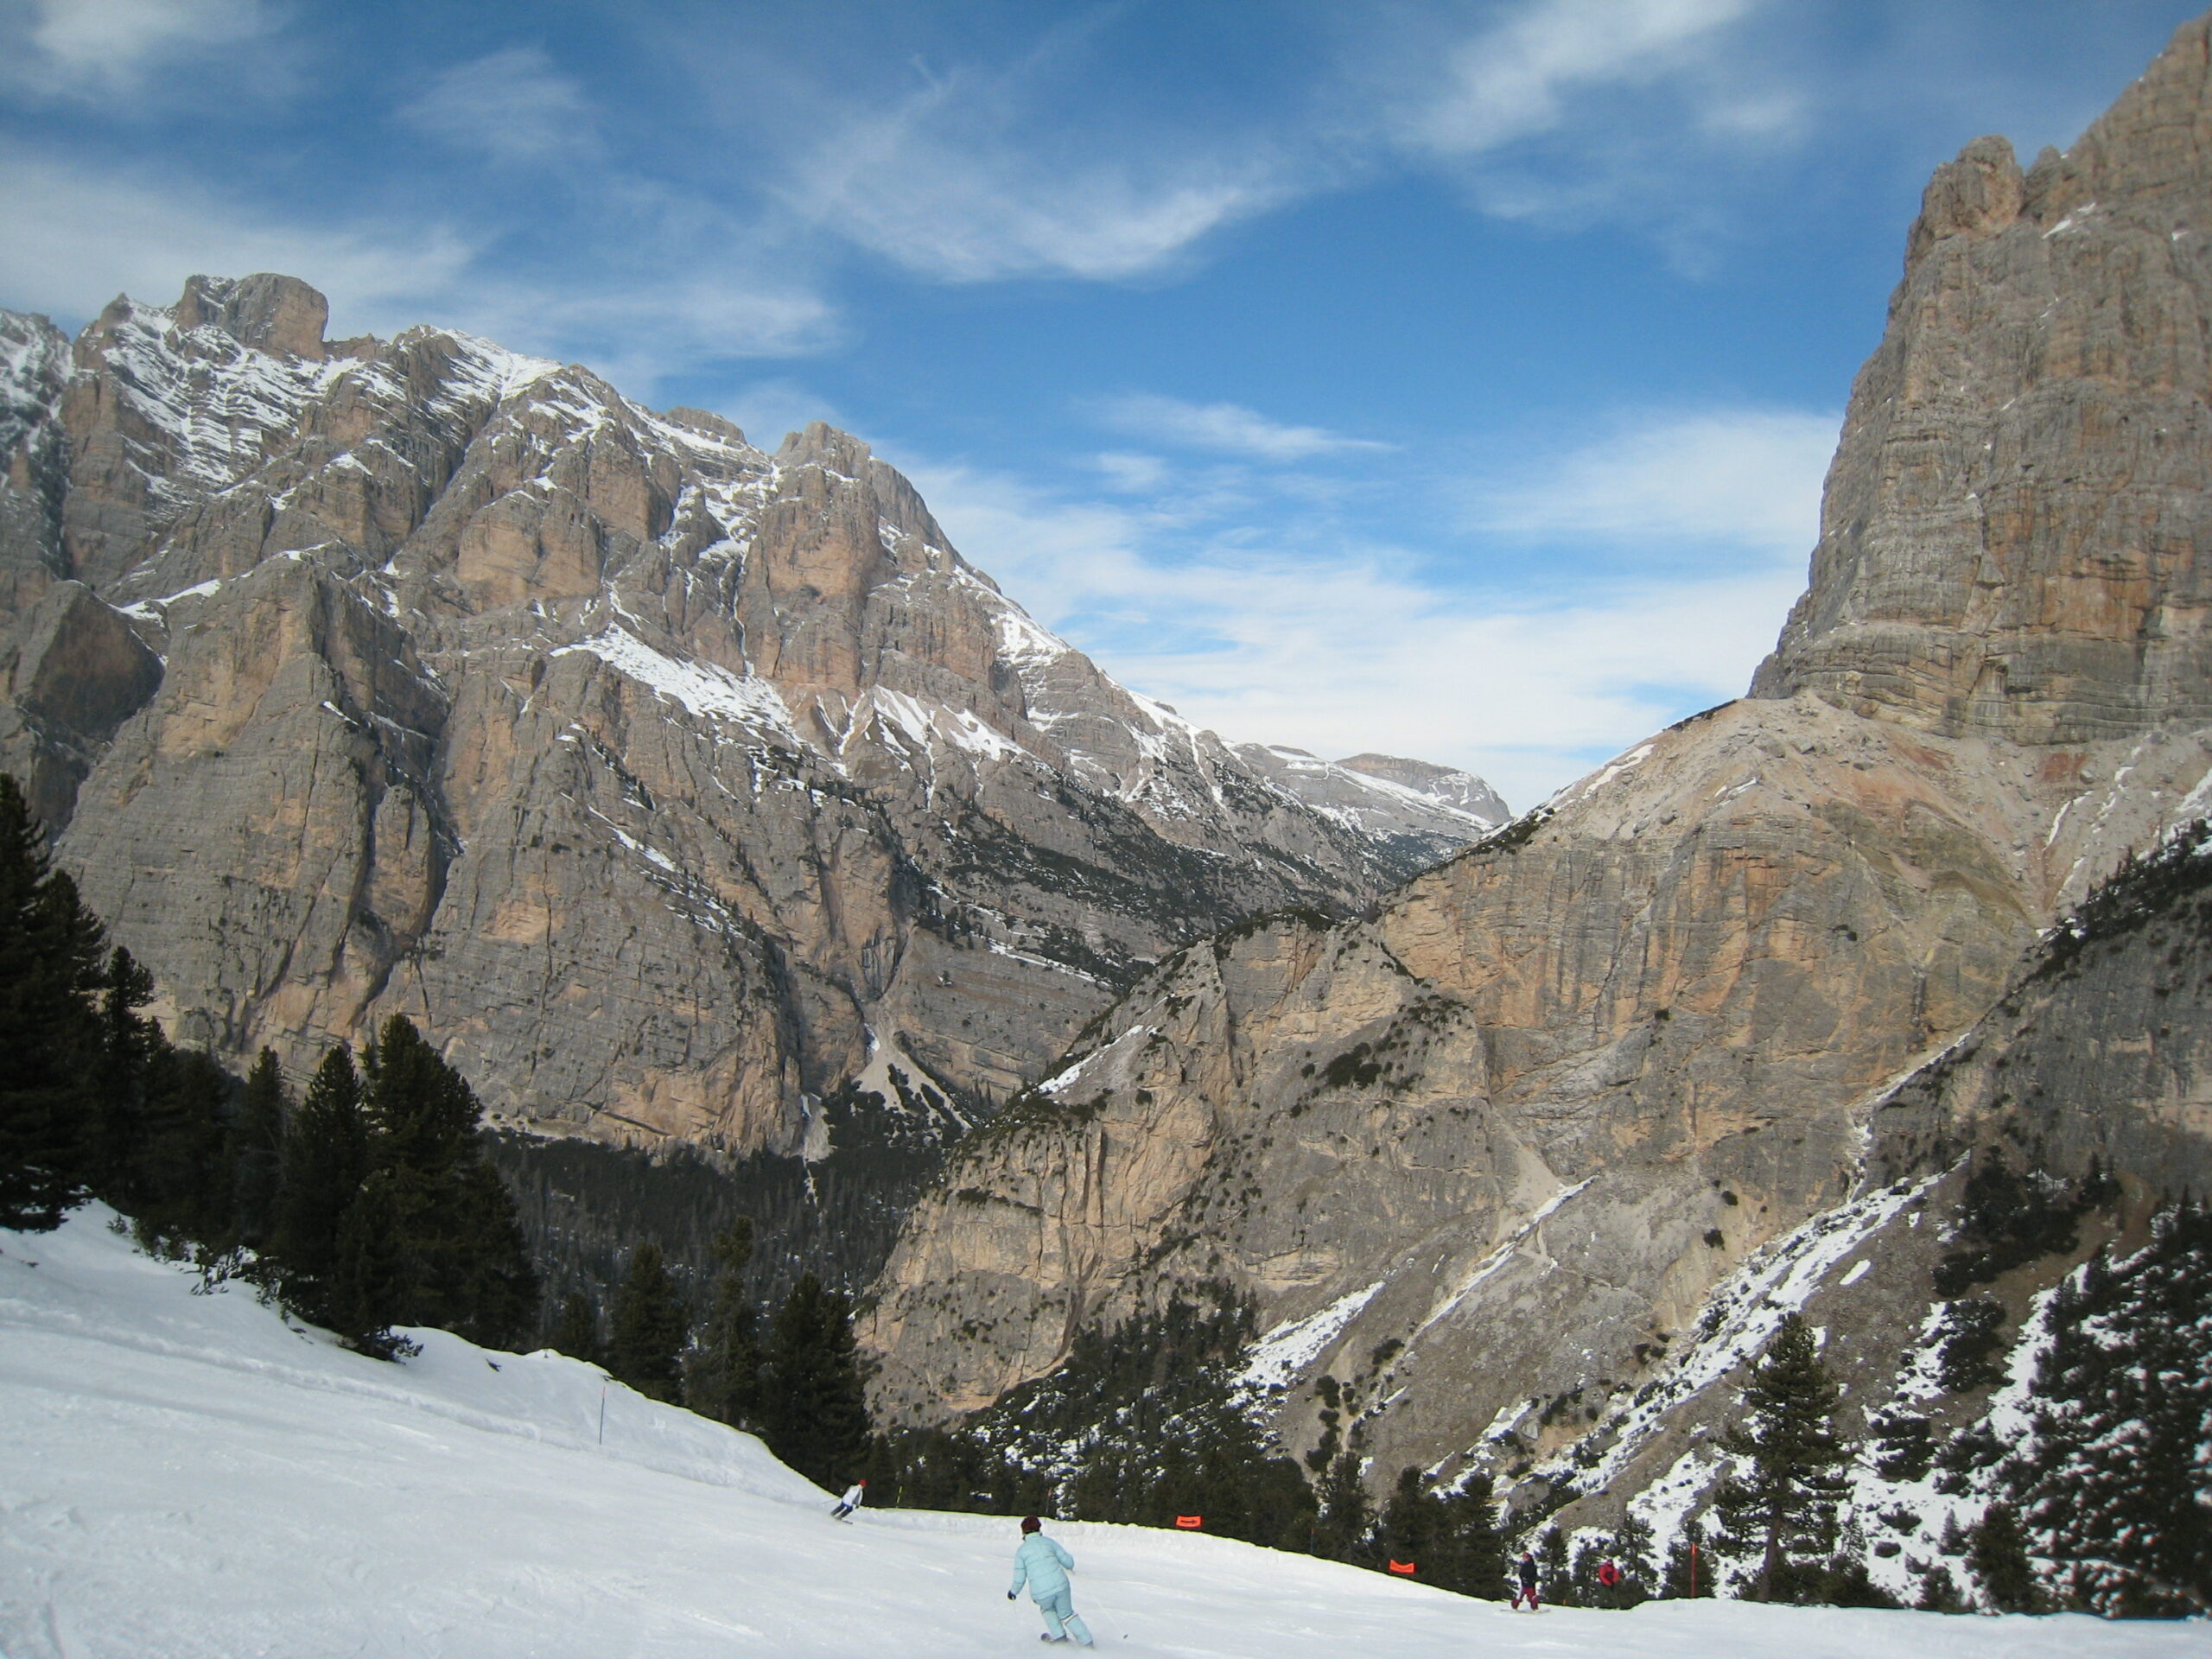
1654	114
1519	76
511	106
77	235
989	170
1225	429
972	213
1745	478
1352	647
98	47
1129	472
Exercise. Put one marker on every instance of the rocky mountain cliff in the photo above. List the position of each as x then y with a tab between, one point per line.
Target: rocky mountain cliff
1486	1161
668	783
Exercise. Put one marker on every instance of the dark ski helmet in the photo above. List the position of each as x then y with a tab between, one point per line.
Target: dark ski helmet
1030	1523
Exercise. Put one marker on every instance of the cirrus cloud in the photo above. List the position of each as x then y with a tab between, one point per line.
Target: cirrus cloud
1226	428
511	106
1338	645
93	47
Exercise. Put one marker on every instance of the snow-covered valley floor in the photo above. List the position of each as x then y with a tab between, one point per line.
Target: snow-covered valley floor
182	1474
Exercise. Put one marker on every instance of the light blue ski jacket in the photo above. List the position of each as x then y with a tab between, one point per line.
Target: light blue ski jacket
1044	1564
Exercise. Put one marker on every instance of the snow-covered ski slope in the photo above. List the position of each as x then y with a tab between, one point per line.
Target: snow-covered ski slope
182	1474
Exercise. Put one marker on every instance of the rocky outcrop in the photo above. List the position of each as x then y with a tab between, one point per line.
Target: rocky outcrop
1500	1144
2091	1081
668	782
2011	542
2100	1056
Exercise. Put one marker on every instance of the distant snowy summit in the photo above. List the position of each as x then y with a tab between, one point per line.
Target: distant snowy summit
671	781
1430	811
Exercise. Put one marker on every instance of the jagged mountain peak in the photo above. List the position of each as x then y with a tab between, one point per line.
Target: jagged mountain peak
666	778
271	313
1512	1166
1943	593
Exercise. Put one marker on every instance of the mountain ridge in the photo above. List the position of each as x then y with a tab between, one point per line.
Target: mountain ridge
1495	1147
666	779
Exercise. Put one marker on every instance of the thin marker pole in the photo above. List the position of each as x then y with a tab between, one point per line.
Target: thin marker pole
602	1414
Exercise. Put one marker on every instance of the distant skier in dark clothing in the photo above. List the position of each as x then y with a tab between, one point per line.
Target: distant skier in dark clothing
1526	1571
1045	1566
850	1501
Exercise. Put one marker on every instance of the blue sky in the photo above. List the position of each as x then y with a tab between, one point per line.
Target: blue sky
1449	379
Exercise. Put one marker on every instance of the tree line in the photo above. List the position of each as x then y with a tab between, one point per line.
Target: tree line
793	1378
364	1206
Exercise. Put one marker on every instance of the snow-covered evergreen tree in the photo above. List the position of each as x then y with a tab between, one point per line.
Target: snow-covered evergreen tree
1689	1570
1997	1555
2114	1484
1779	1515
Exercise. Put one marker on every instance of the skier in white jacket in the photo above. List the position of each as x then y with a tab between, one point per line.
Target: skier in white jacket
850	1501
1046	1566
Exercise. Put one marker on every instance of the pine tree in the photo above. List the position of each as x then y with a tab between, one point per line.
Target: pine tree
1589	1590
1997	1555
495	1300
650	1328
577	1333
257	1151
722	1380
184	1174
2112	1479
1939	1591
1470	1553
1557	1575
815	1407
424	1112
1781	1515
326	1160
1409	1520
1631	1552
1689	1570
122	1131
370	1278
465	1266
1973	1343
50	953
1343	1529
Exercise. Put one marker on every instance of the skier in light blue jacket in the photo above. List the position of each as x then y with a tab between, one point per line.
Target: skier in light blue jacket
1045	1566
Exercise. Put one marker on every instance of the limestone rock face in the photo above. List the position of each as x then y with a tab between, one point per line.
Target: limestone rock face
1501	1142
668	782
1494	1126
2012	538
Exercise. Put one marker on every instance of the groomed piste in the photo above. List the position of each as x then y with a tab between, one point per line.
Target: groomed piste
183	1473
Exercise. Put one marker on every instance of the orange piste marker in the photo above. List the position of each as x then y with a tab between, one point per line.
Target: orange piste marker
1190	1523
1404	1568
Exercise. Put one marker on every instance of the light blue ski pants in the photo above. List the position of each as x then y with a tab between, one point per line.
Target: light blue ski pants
1058	1609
